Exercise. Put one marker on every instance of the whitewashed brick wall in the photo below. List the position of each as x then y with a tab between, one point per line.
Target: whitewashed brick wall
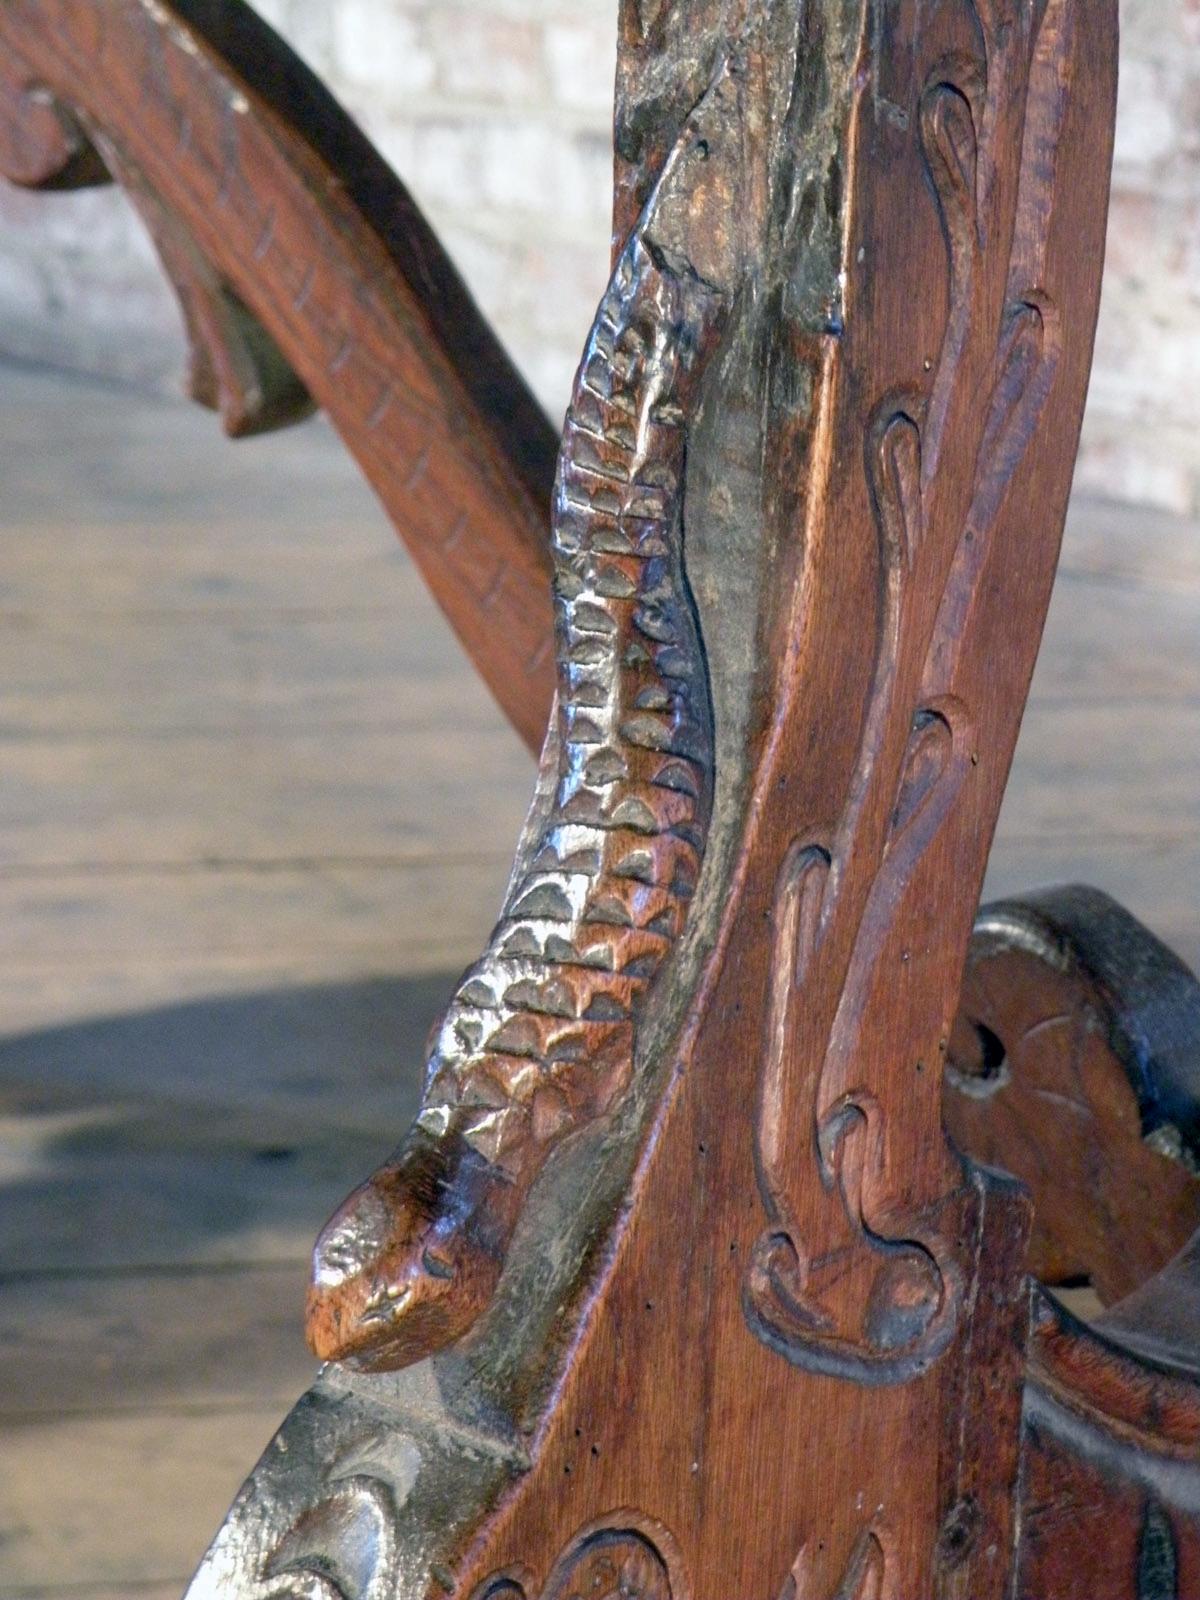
1142	431
497	114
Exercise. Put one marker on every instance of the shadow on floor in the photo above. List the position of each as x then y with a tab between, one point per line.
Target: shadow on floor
221	1130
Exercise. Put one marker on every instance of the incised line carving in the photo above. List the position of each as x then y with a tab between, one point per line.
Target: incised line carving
847	1278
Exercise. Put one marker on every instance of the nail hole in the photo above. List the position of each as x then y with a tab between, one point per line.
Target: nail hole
981	1068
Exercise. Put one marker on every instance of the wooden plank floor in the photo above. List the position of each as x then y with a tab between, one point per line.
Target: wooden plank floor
255	814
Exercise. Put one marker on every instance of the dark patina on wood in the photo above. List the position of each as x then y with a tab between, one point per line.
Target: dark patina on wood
306	275
694	1278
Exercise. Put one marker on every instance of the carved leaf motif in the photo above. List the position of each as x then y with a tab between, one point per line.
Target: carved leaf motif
888	1309
951	148
929	754
950	143
896	484
866	1572
863	1579
1028	357
795	920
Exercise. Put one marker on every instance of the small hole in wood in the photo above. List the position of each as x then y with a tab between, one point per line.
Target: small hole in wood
978	1064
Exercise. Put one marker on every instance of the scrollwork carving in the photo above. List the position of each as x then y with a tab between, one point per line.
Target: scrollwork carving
865	1576
850	1277
623	1557
342	1548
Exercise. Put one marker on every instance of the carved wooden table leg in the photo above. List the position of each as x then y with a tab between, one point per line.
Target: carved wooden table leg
676	1288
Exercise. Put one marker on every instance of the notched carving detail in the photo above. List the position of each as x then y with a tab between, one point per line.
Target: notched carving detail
539	1038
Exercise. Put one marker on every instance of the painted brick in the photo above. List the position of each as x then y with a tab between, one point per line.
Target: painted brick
582	60
381	46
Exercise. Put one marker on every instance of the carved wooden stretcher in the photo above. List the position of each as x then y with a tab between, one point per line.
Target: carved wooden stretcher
718	1265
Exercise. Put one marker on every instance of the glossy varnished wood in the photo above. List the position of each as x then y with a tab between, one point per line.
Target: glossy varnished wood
799	596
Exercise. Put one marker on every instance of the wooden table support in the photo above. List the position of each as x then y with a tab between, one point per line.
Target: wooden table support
306	275
698	1277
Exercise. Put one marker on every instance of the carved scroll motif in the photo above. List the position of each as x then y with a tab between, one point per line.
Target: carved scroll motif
849	1278
343	1548
624	1557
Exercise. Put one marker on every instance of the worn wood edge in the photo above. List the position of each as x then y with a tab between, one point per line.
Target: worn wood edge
1078	1371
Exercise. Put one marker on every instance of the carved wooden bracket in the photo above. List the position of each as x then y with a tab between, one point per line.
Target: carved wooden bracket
306	275
1076	1063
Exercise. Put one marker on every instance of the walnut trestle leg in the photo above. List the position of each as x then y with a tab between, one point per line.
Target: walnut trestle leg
720	1262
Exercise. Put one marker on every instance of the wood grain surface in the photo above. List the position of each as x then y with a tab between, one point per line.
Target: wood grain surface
156	524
